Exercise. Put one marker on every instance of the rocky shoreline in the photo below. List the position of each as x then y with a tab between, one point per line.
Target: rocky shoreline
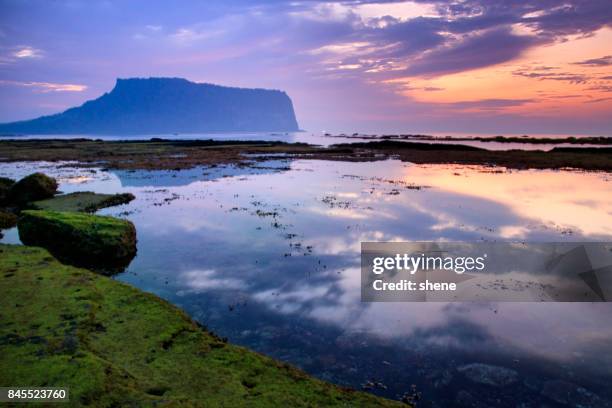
114	345
110	343
586	140
163	154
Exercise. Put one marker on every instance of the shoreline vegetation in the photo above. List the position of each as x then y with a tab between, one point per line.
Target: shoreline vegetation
162	154
114	345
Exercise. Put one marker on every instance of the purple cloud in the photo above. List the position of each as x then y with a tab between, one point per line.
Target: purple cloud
476	51
554	76
488	104
597	62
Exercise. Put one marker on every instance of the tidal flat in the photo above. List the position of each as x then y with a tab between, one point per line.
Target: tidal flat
158	154
267	255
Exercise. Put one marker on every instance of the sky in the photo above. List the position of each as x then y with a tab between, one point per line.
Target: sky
424	66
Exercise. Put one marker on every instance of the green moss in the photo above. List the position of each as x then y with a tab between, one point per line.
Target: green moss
114	345
80	239
36	186
85	201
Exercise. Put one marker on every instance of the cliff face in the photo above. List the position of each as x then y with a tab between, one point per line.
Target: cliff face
162	105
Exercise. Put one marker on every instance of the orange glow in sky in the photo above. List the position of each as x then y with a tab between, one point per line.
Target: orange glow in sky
557	84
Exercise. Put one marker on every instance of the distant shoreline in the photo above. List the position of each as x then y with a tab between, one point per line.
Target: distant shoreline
584	140
164	154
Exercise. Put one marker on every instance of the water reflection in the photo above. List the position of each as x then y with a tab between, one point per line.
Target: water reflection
271	261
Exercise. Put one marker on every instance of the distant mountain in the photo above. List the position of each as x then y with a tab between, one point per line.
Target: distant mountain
162	105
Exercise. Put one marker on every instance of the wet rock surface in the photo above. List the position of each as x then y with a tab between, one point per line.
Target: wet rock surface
80	239
36	186
85	201
7	219
5	186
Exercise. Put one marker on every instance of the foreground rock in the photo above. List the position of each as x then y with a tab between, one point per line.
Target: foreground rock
114	345
80	239
5	186
37	186
7	219
84	201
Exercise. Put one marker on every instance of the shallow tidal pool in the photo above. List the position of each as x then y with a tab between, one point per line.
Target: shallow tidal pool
268	257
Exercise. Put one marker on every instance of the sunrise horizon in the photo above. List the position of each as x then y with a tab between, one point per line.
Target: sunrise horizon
349	66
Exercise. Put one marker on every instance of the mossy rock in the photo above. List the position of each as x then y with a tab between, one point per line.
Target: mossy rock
36	186
114	345
83	201
7	219
80	239
5	186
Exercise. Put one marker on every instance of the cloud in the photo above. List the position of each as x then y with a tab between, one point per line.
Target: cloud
474	51
599	100
464	34
187	36
201	280
19	52
27	52
46	86
597	62
600	88
337	59
487	104
553	76
468	34
572	17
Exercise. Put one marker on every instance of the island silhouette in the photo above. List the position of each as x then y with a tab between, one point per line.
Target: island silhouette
161	105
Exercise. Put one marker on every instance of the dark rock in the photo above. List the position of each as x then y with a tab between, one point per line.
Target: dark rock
489	374
5	185
440	378
570	394
82	201
80	239
7	219
466	400
37	186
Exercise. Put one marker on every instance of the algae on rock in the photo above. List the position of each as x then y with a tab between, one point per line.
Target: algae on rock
36	186
81	239
82	201
114	345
